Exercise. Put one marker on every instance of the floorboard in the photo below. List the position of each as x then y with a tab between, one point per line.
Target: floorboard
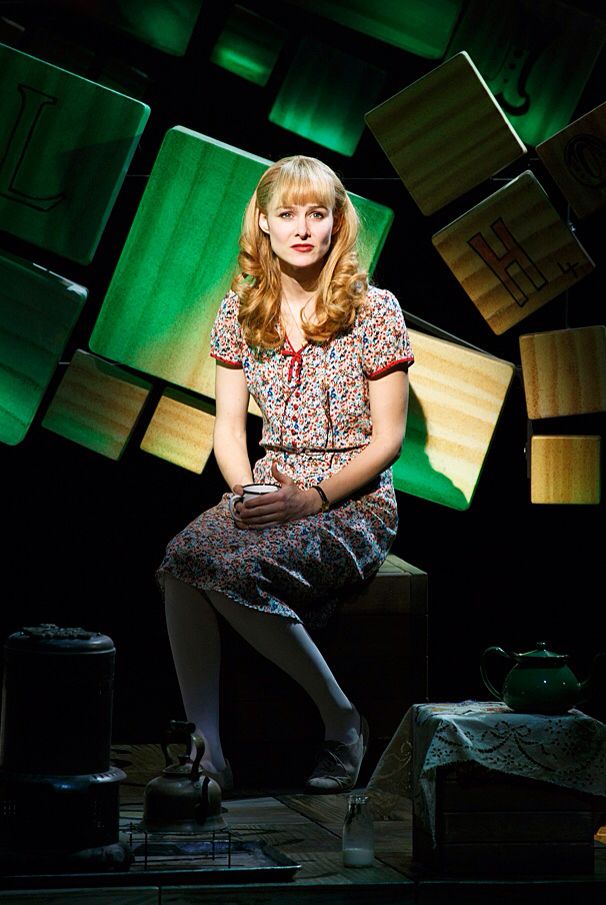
305	832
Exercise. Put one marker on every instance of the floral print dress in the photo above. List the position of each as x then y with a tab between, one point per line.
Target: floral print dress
316	418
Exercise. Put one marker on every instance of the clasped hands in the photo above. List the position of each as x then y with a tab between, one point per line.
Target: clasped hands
288	503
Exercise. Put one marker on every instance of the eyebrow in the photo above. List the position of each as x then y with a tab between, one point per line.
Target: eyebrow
307	206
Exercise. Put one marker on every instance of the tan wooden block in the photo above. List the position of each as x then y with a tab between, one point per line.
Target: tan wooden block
564	371
456	396
445	133
565	469
97	404
181	430
512	253
575	157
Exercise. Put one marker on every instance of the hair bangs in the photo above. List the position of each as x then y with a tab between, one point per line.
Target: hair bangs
302	181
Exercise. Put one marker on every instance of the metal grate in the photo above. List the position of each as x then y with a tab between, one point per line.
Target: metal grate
179	851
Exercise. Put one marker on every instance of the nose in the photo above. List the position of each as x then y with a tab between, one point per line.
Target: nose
302	227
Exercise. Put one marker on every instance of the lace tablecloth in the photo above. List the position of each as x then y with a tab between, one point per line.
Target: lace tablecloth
568	750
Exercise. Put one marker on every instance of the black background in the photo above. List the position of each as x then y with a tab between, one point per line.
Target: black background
83	534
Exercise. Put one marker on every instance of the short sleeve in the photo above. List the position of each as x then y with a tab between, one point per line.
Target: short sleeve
226	339
385	341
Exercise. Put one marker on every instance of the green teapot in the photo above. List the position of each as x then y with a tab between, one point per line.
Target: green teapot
540	681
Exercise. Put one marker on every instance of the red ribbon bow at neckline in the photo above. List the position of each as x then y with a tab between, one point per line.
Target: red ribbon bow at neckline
295	364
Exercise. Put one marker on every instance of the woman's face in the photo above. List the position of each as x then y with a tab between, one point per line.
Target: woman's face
300	235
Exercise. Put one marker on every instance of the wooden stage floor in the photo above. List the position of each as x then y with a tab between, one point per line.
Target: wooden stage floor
306	831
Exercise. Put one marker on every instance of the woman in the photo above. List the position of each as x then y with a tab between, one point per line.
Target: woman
325	356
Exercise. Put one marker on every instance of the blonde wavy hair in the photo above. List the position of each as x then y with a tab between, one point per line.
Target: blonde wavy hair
342	285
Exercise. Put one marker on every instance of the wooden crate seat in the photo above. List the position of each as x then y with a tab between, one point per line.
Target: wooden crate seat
377	648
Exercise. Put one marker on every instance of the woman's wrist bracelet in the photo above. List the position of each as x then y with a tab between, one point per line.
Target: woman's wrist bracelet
323	497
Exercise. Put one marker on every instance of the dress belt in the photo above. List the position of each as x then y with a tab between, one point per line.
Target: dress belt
311	449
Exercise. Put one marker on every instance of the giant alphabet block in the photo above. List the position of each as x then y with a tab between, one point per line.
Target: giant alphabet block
576	160
565	470
97	405
181	430
417	26
564	371
249	45
456	397
66	145
38	311
167	26
445	133
324	95
512	253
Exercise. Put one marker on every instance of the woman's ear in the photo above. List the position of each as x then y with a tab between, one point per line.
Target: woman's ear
264	225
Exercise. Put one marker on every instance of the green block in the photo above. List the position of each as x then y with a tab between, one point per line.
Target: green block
97	405
38	311
164	24
535	56
325	95
414	473
375	223
67	144
249	46
179	257
422	27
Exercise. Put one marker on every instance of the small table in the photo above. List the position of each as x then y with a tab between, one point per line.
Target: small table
521	769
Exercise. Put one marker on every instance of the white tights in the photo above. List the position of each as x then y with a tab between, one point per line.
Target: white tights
195	643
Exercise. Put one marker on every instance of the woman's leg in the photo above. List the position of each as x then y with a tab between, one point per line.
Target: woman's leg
196	647
287	644
195	644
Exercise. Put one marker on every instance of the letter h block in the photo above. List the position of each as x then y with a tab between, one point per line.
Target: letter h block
512	253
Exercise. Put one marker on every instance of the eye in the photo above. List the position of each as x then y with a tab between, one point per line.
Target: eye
285	215
318	215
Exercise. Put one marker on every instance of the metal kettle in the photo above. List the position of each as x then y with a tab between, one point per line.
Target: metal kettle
183	799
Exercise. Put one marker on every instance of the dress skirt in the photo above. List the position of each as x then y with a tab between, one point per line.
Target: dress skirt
296	570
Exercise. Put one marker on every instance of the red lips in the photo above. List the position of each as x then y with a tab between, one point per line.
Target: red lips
302	247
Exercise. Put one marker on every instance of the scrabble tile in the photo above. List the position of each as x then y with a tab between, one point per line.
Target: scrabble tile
536	57
444	133
565	469
67	145
512	253
97	405
249	45
181	430
324	95
575	158
456	397
564	371
180	254
422	27
38	311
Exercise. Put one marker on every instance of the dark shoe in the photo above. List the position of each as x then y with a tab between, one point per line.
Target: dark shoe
338	765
